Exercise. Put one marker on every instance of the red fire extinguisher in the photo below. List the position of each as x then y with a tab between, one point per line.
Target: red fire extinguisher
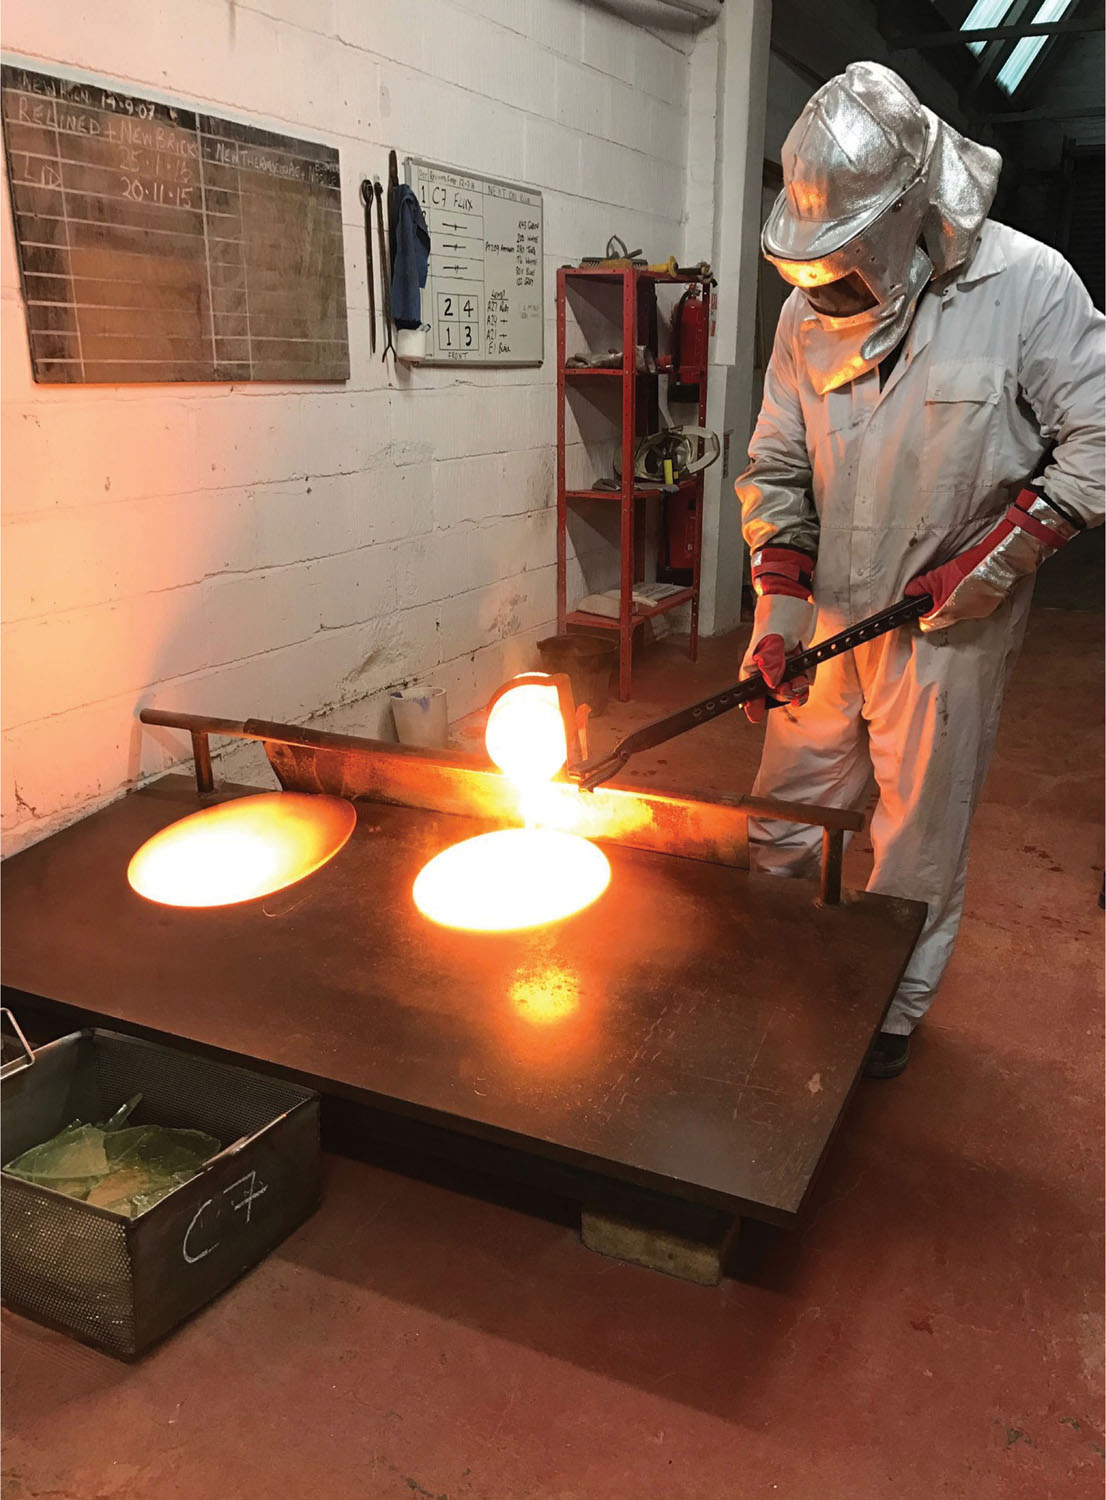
679	525
690	332
690	342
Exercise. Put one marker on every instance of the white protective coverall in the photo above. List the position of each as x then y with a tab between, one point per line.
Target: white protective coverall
1001	362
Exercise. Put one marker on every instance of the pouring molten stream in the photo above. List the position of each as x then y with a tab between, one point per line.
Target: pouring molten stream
516	877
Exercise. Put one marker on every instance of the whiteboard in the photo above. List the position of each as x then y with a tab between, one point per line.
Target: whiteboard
483	294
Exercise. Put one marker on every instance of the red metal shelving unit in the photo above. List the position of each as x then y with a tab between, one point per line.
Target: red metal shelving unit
638	305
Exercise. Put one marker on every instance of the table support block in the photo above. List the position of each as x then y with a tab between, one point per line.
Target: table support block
698	1256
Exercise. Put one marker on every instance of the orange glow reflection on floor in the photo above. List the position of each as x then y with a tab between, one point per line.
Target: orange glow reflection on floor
515	878
240	850
547	997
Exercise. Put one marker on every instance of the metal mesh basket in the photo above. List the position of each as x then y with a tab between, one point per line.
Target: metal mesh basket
122	1283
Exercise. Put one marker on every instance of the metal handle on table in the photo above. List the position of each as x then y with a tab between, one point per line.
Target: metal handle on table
17	1064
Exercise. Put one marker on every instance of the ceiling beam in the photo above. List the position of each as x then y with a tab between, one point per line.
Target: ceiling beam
924	40
1046	112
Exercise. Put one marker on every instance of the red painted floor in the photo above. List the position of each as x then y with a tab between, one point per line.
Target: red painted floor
934	1330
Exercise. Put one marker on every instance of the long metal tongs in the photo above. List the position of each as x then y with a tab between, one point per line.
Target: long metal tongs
385	270
26	1056
592	773
367	203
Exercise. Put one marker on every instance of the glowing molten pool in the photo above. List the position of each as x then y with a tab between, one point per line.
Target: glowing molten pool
241	850
517	877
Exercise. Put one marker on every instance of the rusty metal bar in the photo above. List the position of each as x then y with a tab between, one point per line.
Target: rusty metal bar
833	853
296	734
432	764
695	825
840	819
714	831
202	722
201	755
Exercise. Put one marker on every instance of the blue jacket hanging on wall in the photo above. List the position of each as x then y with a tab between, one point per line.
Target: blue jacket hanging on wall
411	259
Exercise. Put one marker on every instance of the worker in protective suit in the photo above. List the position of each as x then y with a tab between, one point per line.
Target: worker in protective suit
932	424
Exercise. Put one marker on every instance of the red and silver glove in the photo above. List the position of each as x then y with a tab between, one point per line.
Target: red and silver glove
782	579
973	585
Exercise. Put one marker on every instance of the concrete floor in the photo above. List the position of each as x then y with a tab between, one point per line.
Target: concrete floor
934	1329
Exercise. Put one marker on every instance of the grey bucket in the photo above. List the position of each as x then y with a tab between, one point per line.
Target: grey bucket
588	661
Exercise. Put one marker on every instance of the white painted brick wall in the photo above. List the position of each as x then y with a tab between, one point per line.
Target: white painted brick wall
295	552
703	149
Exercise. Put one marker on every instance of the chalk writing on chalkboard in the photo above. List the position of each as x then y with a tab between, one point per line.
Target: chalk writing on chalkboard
483	298
159	244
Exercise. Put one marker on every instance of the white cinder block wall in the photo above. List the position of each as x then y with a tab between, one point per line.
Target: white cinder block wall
294	552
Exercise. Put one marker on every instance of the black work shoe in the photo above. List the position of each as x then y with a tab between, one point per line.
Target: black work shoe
888	1057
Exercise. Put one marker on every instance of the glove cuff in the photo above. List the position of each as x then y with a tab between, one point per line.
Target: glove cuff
1034	529
783	570
978	580
1036	515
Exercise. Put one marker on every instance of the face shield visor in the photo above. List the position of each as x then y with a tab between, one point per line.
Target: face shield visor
877	269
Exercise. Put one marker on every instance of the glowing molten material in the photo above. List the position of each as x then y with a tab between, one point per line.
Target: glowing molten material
525	734
241	850
518	877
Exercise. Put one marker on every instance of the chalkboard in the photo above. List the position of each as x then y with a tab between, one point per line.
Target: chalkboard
483	296
158	244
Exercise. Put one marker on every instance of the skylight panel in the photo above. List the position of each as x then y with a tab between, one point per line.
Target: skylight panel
1025	52
984	13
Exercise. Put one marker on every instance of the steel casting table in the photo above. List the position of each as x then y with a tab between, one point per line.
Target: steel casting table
696	1032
